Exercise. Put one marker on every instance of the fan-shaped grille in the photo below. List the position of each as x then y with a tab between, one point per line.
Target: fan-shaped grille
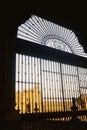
44	32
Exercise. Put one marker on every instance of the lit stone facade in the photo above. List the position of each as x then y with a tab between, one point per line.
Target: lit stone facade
31	101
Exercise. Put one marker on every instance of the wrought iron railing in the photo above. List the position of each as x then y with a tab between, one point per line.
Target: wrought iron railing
46	81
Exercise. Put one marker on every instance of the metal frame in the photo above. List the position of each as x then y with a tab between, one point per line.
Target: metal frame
53	55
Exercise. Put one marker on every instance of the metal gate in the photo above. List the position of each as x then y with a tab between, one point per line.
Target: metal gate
46	82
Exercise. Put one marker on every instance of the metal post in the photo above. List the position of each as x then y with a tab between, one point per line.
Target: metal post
79	86
62	85
41	84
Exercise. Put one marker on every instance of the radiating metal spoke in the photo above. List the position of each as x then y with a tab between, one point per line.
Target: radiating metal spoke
44	32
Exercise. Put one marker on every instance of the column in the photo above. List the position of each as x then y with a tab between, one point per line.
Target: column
8	113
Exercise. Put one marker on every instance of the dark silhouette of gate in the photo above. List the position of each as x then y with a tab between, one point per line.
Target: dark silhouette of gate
51	91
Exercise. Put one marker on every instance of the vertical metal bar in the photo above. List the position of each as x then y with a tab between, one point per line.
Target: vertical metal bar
25	82
21	83
56	86
47	85
68	85
71	89
35	87
62	85
31	82
41	83
18	80
48	75
52	84
29	104
79	86
44	81
50	105
37	83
